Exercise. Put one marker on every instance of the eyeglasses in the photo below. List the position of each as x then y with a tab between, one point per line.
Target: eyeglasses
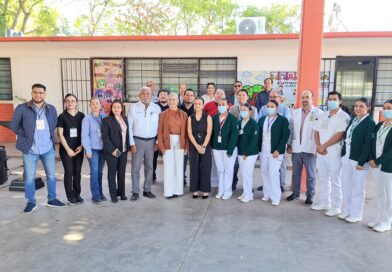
237	85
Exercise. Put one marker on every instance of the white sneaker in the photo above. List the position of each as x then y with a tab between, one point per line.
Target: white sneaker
266	199
332	212
275	203
321	207
352	219
382	227
219	195
226	197
373	224
246	200
343	216
240	197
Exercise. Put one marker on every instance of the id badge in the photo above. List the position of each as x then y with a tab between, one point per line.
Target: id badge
40	124
241	132
99	132
73	132
220	139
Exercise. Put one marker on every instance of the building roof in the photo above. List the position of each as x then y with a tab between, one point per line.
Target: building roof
234	37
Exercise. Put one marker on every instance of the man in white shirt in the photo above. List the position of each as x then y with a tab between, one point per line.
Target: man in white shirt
154	94
329	131
302	146
143	118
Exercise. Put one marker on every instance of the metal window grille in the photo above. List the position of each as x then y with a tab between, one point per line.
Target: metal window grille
5	79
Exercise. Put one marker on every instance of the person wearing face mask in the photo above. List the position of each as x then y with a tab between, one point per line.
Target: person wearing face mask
329	131
247	150
162	103
381	163
274	133
242	99
302	147
224	142
355	155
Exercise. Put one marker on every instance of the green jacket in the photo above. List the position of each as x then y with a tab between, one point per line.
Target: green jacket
229	134
280	134
385	160
360	141
248	141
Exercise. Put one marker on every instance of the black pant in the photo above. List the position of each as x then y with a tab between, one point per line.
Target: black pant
155	162
72	173
116	166
235	174
185	164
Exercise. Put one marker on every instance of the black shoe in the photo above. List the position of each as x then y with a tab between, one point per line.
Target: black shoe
149	195
123	198
175	196
79	199
114	200
282	189
260	188
308	201
291	197
195	196
205	196
134	197
169	197
72	201
103	198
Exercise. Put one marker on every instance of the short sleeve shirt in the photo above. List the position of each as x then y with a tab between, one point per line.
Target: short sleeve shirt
327	126
72	126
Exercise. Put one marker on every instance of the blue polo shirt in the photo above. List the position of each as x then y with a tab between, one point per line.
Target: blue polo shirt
42	142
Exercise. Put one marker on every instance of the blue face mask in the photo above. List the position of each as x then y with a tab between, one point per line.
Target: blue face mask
222	109
271	111
244	114
387	114
333	105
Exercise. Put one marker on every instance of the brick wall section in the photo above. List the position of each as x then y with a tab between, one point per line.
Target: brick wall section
6	112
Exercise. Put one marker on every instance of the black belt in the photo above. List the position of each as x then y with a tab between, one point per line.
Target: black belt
144	139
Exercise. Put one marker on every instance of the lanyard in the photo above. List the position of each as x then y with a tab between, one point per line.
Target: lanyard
354	124
221	124
271	122
383	130
98	119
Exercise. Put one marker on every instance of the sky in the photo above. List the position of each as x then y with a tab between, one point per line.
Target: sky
356	15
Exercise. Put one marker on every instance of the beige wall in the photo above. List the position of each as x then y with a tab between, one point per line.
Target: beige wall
40	61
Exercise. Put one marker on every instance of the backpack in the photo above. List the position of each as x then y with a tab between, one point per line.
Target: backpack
4	171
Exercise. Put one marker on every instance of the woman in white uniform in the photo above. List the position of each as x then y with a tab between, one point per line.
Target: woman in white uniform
381	163
247	150
173	143
355	155
274	133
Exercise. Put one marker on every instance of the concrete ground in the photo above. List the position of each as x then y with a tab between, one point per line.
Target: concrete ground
183	234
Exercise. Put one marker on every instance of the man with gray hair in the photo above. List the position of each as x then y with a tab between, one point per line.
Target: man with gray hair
143	118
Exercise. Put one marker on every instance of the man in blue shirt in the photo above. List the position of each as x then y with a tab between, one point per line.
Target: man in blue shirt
34	123
286	112
93	146
263	96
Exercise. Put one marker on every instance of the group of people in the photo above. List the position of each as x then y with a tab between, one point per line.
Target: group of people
222	137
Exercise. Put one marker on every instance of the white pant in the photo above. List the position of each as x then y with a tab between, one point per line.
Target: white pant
330	171
271	177
225	169
246	168
214	173
353	188
384	195
173	167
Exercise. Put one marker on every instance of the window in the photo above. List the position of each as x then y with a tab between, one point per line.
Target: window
384	81
5	80
168	73
327	81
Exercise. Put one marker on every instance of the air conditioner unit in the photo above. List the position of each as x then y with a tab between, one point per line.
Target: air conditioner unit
13	33
250	25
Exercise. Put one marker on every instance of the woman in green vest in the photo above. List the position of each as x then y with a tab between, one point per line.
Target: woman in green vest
274	133
248	149
355	155
381	163
224	147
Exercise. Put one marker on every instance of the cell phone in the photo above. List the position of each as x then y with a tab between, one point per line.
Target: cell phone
118	153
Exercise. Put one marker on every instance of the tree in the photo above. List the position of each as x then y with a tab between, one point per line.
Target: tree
279	18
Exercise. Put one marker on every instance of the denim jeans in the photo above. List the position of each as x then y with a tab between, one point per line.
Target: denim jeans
96	162
30	166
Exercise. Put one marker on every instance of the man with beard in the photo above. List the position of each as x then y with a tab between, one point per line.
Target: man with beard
34	123
302	146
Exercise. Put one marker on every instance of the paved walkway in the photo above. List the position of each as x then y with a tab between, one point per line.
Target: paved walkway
183	234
